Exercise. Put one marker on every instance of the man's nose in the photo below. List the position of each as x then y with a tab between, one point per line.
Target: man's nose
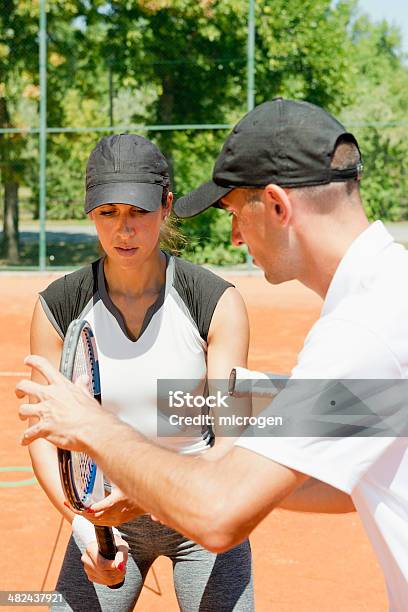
236	237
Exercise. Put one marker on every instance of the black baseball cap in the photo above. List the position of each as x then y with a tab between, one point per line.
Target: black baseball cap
126	169
286	142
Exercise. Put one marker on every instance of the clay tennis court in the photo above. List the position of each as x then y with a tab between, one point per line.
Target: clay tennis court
302	562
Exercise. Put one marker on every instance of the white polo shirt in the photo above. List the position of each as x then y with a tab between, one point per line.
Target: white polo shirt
362	333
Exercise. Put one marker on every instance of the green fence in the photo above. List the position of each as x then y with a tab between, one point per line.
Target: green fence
182	73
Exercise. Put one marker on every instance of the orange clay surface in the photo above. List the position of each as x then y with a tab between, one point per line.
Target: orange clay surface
302	562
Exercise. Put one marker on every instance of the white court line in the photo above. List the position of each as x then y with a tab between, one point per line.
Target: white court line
17	374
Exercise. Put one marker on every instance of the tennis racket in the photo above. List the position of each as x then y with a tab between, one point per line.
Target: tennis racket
81	479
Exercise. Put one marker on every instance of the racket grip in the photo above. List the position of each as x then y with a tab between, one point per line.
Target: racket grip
107	547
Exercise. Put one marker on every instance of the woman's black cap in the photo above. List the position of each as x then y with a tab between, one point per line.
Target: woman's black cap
126	169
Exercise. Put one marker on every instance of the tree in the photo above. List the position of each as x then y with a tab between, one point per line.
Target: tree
304	51
184	62
194	54
381	101
17	51
19	90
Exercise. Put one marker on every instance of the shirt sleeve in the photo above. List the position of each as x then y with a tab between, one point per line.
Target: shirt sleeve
336	350
200	290
65	298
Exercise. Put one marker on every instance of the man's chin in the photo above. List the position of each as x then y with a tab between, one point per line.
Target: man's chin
272	279
268	275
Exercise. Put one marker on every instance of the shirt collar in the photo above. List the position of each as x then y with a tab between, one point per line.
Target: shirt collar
347	278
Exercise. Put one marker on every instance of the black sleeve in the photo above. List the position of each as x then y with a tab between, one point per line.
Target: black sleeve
65	299
200	290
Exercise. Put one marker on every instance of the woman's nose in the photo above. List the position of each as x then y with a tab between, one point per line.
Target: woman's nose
126	226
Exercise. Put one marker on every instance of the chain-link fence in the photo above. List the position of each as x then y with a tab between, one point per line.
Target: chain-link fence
180	73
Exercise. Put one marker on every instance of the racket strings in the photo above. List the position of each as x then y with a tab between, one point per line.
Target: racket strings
83	467
84	363
84	470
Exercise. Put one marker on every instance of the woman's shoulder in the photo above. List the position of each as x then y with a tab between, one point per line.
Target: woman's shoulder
200	290
68	285
66	298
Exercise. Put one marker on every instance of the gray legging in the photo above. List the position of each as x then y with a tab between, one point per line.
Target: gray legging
204	581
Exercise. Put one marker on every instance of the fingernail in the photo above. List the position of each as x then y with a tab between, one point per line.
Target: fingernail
121	566
90	511
67	505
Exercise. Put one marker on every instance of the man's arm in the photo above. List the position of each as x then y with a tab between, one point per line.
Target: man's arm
215	503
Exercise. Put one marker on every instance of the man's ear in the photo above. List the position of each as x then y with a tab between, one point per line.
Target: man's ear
278	203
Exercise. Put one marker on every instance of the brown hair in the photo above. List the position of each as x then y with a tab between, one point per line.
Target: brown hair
325	197
171	238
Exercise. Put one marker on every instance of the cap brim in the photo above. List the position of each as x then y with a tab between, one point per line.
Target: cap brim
147	196
200	199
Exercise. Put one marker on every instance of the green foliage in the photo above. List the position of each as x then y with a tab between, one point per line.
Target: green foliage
304	51
184	61
381	99
208	239
385	183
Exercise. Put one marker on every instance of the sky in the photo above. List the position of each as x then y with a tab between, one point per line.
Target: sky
394	11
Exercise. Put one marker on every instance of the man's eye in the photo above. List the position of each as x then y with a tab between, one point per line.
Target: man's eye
105	213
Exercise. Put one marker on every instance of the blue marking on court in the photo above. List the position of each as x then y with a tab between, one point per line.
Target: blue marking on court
17	483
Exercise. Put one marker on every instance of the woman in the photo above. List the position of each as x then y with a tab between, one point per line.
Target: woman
154	317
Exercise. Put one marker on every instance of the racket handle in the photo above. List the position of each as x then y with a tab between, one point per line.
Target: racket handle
107	547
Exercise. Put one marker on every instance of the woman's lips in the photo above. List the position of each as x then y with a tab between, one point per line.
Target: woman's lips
126	251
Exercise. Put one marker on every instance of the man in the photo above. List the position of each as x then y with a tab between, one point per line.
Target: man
289	176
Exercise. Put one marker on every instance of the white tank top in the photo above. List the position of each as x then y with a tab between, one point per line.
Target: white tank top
172	343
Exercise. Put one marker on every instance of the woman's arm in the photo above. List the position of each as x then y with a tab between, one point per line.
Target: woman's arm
45	341
228	341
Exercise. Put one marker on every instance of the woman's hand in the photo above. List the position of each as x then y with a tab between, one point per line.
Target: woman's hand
101	570
113	510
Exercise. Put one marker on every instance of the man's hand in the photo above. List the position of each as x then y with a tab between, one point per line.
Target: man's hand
113	510
102	570
64	410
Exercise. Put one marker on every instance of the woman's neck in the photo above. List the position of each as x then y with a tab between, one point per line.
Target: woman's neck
135	282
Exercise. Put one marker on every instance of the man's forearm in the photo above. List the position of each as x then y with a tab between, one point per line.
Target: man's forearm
216	503
180	491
